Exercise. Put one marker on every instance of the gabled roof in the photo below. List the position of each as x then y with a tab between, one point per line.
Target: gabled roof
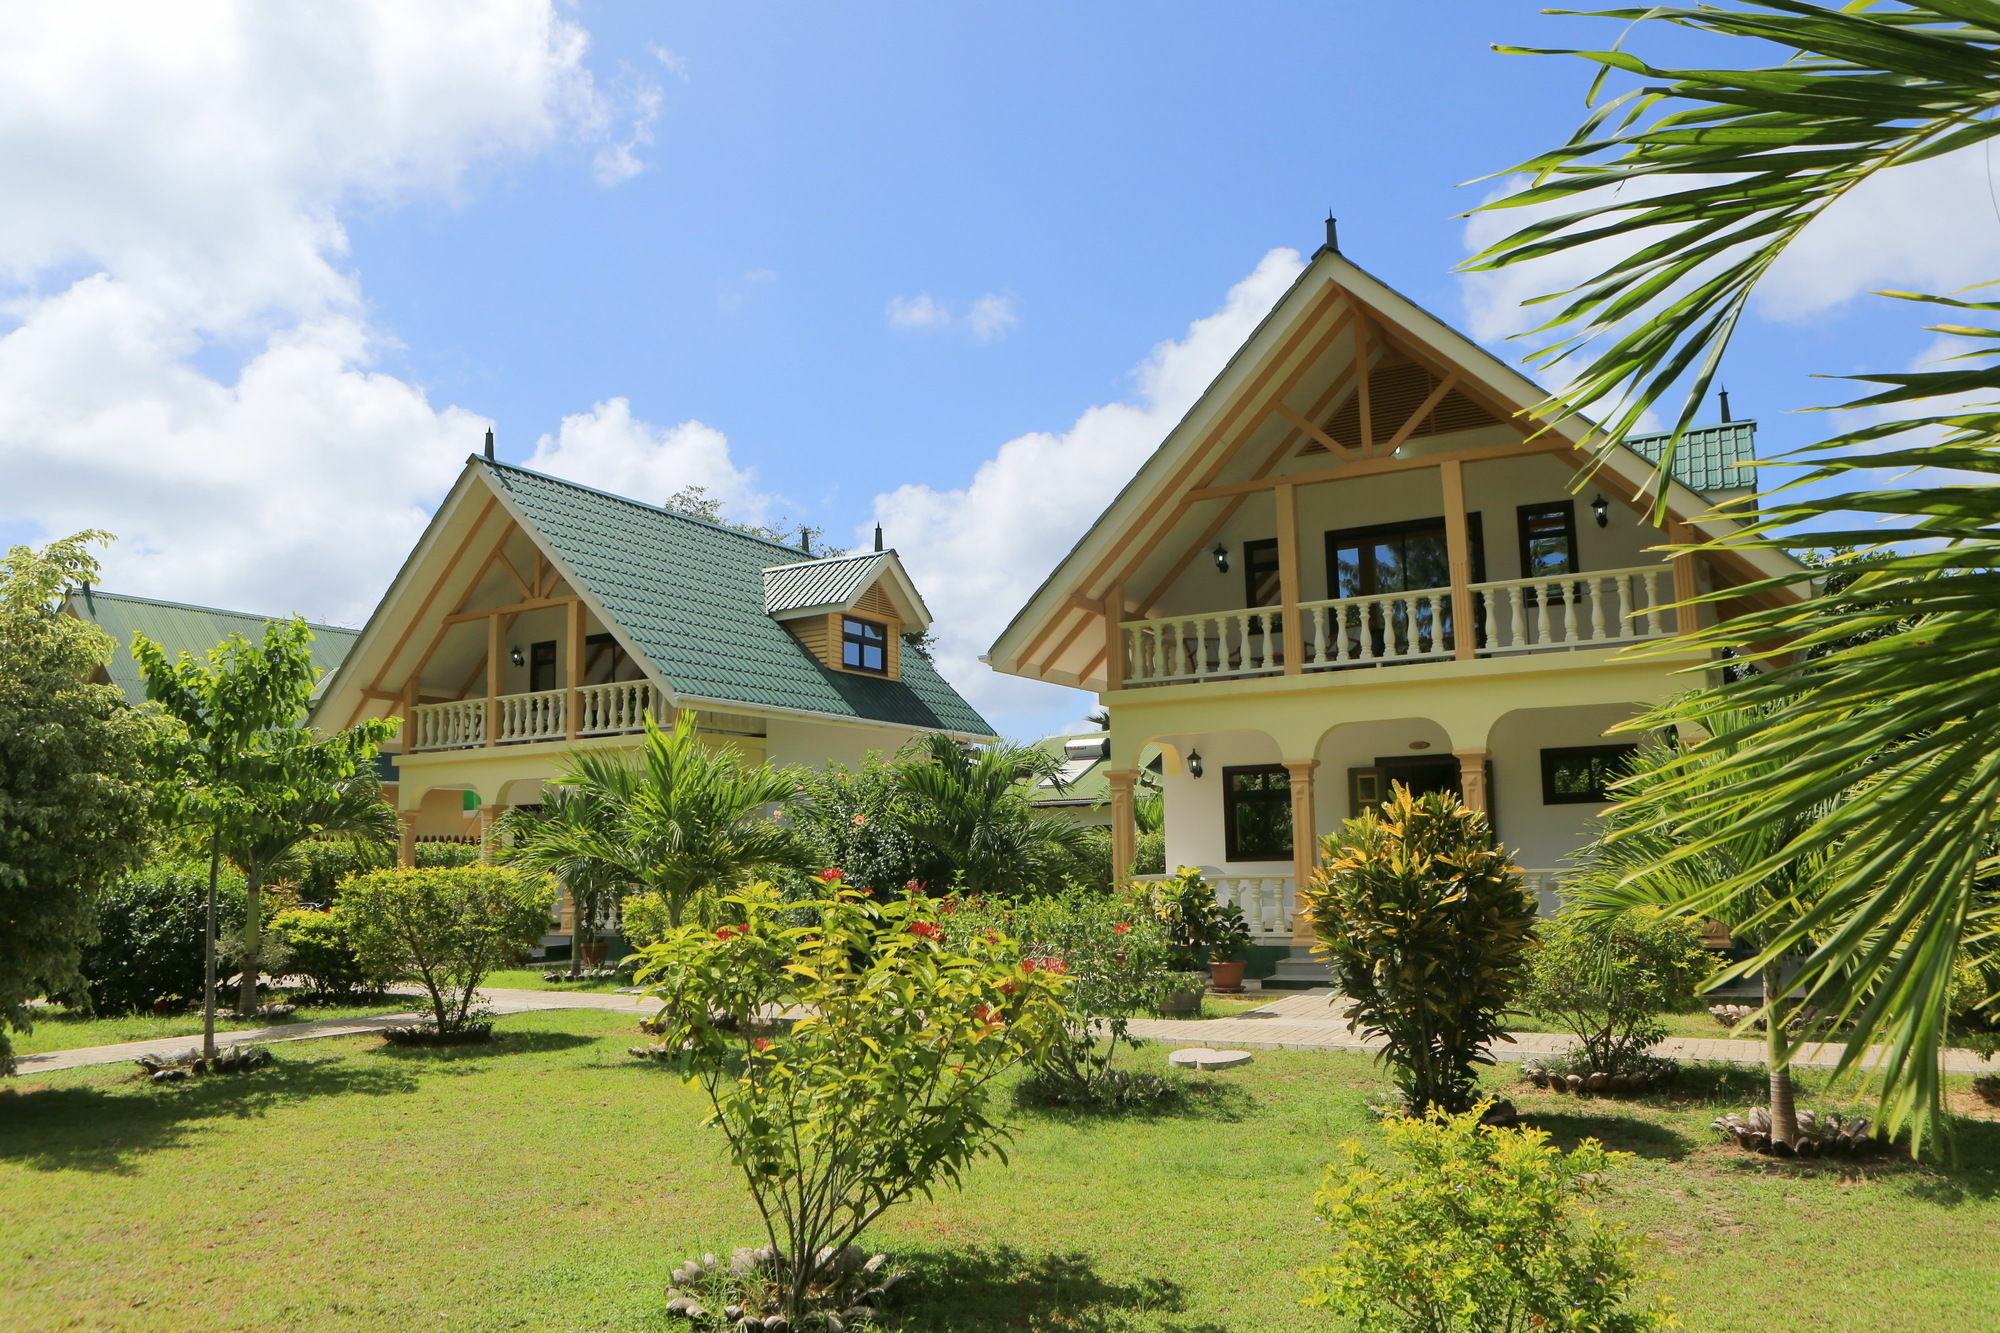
689	597
1708	458
837	582
179	627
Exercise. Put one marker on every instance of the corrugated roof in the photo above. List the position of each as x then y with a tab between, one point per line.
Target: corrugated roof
179	627
1706	459
1086	760
690	596
833	581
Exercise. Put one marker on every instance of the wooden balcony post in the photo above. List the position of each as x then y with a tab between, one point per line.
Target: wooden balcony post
493	680
1305	839
1114	638
572	700
1124	822
406	839
1458	551
1687	619
1287	498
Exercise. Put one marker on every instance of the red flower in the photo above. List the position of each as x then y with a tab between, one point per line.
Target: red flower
981	1013
948	906
913	887
1027	964
859	820
1122	927
728	933
992	934
762	1043
926	930
832	875
1006	988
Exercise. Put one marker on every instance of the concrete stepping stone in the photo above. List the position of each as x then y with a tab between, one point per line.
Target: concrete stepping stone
1200	1057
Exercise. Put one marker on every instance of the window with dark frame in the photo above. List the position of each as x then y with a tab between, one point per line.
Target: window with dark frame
542	665
1548	539
1261	584
1257	813
864	645
1582	774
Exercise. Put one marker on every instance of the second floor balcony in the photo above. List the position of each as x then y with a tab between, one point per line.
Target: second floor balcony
538	715
1602	609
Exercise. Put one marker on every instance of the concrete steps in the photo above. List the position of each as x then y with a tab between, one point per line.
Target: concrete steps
1299	969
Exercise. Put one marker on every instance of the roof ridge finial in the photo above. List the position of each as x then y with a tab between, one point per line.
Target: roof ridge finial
878	536
489	444
1332	232
1723	394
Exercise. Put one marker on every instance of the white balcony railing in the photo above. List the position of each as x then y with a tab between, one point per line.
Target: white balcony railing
1594	610
1268	901
540	715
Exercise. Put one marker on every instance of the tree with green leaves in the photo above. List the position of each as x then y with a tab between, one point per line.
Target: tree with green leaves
73	777
550	841
443	929
688	819
1701	180
969	804
236	763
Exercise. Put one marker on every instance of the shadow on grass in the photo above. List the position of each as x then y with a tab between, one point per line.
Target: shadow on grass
1001	1288
1184	1098
1620	1133
109	1128
503	1043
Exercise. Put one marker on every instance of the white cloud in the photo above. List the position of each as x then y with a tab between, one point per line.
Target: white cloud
986	318
676	63
619	162
608	448
175	182
980	551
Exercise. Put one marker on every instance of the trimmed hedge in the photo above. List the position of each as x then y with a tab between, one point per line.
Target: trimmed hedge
149	934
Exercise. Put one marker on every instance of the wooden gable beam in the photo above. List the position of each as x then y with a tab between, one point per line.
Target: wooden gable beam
1327	442
1365	411
1424	409
458	553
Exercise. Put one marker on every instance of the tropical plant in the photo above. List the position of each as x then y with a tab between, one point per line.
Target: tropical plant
1202	928
301	785
320	951
1608	980
73	778
1698	181
146	948
547	841
443	929
688	819
858	819
970	806
1638	863
1427	930
880	1090
1479	1230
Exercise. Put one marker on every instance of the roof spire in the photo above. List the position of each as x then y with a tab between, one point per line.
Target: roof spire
878	536
489	444
1332	232
1724	395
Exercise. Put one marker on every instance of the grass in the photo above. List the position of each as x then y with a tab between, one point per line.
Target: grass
550	1182
62	1029
525	978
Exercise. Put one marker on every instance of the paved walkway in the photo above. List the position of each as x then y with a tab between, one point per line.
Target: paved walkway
1297	1021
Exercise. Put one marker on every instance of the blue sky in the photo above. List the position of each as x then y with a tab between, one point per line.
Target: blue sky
833	259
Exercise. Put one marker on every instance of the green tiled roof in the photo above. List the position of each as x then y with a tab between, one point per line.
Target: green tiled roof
1706	458
826	582
1086	769
690	595
178	628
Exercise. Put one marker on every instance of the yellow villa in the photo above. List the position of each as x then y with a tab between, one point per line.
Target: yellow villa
538	617
1354	562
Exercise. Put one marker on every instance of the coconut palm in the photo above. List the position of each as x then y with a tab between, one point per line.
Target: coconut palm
688	819
1733	878
1700	180
970	805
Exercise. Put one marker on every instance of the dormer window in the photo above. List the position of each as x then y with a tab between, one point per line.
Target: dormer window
864	645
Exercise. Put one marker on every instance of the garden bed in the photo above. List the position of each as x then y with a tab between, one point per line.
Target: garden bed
545	1160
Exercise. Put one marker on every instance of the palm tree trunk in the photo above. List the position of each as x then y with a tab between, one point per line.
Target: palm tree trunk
208	947
575	934
1784	1115
253	942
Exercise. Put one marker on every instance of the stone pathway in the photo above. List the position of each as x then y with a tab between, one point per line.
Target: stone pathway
1298	1021
1307	1021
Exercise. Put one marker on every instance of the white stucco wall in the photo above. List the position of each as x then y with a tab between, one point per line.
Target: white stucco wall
1544	836
1194	805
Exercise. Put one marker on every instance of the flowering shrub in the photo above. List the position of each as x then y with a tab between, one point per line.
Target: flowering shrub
1203	929
880	1088
1479	1230
855	820
1118	958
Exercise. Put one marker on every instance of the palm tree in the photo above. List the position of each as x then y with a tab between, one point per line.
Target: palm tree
970	805
294	807
1733	878
552	841
685	820
1702	179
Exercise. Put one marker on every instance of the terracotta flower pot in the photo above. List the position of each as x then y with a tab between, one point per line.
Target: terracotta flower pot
1226	976
593	954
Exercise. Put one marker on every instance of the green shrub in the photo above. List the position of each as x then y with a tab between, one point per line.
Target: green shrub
1149	853
1608	979
321	952
1478	1230
1120	964
447	855
856	820
444	929
148	952
1427	929
643	920
880	1092
1203	930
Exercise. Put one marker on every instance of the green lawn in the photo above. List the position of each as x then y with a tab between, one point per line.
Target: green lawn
530	978
550	1182
60	1029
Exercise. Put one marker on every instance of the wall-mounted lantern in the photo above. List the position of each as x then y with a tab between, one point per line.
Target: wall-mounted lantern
515	657
1221	558
1194	763
1600	509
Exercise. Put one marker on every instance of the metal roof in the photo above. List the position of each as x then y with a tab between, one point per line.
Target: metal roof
179	627
1708	458
690	596
833	581
1086	764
